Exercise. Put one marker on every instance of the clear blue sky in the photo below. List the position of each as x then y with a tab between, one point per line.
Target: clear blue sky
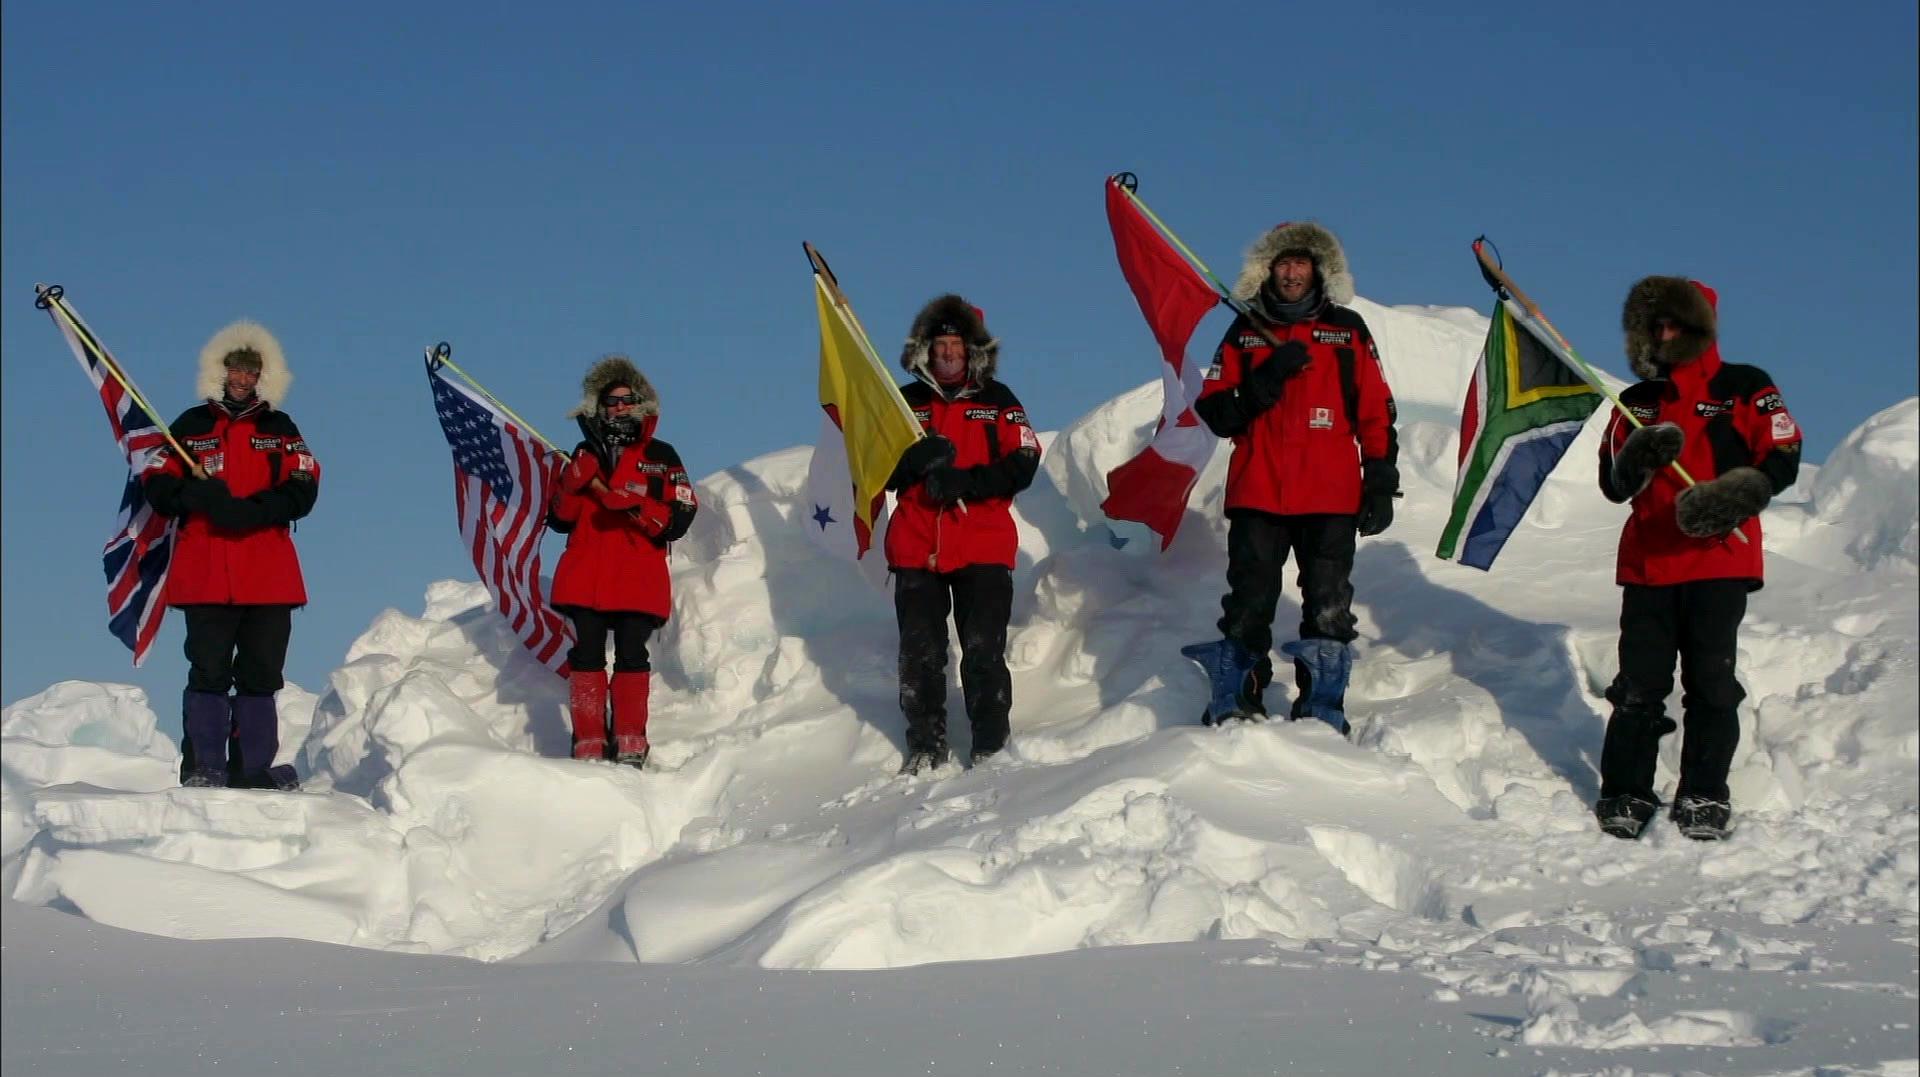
540	184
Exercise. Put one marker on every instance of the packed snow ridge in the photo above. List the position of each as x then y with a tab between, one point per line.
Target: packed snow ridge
1451	835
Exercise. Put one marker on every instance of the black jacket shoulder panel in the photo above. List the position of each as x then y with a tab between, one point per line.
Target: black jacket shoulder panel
194	421
1344	318
1642	392
662	452
1740	380
277	422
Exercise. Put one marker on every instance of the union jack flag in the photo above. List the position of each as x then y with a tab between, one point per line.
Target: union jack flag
140	551
502	482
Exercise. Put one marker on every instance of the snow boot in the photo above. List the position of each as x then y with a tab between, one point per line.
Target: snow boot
1625	816
1322	667
587	700
1702	819
1232	689
207	718
630	718
256	733
923	761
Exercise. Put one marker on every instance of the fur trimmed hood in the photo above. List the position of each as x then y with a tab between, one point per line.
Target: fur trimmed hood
609	371
1689	304
951	314
244	336
1336	280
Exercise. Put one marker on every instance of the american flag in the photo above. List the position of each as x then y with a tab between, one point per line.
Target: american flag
502	480
138	555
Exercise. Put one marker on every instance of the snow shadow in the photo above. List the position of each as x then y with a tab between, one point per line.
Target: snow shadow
1526	667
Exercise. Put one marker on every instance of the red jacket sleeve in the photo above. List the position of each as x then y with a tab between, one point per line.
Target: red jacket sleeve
1377	412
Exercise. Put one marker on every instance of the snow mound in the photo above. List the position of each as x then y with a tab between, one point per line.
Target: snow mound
1451	835
1863	505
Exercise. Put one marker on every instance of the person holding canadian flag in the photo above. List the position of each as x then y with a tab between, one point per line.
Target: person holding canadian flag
1297	385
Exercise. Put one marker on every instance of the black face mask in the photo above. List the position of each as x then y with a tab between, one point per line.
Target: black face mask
620	430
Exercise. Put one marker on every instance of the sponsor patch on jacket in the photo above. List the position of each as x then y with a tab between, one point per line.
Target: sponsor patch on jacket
1712	409
213	462
1783	428
1029	439
1213	372
683	493
297	445
265	443
984	414
304	464
1250	341
1643	412
1320	419
1323	335
1769	401
200	445
925	415
1015	416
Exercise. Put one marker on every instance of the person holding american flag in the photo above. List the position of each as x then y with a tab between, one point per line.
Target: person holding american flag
620	500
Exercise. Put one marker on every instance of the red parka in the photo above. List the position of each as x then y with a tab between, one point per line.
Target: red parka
616	556
262	458
1302	455
1732	416
998	449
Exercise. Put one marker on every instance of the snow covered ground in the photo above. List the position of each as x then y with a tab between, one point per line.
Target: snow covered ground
1123	891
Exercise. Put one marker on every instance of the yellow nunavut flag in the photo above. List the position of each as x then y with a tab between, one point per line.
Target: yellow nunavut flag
874	427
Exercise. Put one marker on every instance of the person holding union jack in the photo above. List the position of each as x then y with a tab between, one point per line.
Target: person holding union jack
247	476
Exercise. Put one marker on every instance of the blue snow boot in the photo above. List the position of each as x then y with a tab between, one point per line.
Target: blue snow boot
1229	669
1324	665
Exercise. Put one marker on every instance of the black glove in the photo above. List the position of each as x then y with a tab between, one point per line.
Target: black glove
238	514
595	443
1379	485
1645	451
1716	507
1265	381
922	457
201	495
947	484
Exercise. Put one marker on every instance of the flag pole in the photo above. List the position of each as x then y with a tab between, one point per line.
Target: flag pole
442	353
52	299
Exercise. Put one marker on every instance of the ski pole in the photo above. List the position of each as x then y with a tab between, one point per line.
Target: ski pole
52	299
1496	274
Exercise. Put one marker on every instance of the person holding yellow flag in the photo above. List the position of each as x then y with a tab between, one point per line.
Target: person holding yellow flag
951	541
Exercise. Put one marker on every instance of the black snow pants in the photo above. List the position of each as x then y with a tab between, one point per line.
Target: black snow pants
1257	547
981	600
1699	623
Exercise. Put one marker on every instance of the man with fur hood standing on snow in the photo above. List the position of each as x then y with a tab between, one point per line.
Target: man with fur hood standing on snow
951	541
1689	555
620	500
234	574
1314	461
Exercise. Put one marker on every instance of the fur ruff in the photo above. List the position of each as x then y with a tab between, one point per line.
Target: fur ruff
1676	298
983	351
275	378
612	370
1336	280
